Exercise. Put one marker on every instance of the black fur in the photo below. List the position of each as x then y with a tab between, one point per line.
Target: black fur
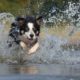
19	27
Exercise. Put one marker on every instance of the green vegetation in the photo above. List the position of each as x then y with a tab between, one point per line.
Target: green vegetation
30	7
15	7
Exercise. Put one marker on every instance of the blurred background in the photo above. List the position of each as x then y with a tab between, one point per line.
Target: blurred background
53	10
33	7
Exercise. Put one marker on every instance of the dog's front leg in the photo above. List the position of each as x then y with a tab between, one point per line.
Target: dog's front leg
23	45
34	48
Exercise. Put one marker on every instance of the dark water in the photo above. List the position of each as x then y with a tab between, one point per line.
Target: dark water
37	77
39	72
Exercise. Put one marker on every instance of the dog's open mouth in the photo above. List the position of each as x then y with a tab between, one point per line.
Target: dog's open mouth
27	40
30	39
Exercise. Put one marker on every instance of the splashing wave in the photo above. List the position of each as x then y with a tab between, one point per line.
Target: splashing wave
50	50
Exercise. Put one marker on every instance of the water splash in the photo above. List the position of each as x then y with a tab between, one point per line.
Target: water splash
6	17
50	50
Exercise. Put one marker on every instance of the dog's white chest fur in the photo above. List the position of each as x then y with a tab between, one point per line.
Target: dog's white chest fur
30	31
30	50
34	48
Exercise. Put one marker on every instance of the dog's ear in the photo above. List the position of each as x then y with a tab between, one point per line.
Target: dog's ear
39	20
21	21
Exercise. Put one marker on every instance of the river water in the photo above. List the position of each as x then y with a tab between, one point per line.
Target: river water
39	72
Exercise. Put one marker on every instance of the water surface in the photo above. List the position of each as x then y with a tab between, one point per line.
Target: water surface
40	69
39	72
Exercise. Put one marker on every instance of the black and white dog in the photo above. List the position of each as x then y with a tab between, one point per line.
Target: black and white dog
25	32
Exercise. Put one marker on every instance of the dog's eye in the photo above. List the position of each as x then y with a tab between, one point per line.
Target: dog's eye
34	29
27	29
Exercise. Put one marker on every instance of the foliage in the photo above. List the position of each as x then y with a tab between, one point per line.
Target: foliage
30	7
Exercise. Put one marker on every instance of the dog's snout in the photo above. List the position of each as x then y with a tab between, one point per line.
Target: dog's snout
31	35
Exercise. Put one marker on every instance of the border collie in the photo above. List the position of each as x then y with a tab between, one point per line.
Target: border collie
25	32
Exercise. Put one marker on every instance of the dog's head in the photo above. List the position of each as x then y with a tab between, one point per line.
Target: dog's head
31	32
31	26
32	29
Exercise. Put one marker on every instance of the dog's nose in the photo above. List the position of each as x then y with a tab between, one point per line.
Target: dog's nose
31	35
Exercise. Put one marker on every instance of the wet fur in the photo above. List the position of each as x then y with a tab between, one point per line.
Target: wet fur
29	28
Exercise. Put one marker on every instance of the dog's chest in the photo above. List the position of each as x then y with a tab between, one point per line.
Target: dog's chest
30	46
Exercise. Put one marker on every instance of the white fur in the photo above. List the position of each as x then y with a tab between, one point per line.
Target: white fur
27	34
34	48
23	45
30	26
